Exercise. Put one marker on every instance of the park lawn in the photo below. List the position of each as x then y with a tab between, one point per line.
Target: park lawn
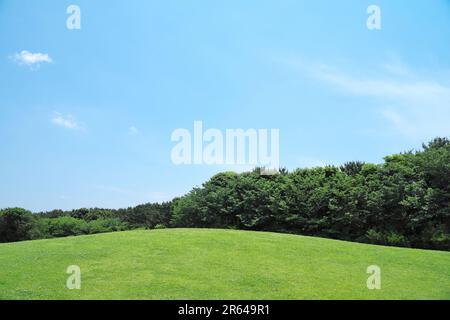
217	264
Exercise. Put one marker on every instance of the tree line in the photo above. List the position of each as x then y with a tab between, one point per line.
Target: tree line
405	201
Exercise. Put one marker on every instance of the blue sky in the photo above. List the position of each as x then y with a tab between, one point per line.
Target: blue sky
90	125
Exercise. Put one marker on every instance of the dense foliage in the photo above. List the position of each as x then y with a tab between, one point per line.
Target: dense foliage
403	202
15	225
18	224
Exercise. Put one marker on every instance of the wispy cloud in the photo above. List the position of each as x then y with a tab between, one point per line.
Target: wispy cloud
397	69
403	91
400	122
32	60
65	121
419	105
133	130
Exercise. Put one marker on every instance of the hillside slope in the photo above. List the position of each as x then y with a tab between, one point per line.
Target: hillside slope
217	264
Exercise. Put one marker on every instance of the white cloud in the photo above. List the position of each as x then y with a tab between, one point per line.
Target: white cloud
395	66
133	130
419	106
32	59
386	87
397	69
399	122
68	122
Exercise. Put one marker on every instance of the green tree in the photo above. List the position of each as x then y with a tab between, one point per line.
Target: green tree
15	224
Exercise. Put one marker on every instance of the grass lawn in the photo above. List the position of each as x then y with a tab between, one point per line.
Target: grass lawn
217	264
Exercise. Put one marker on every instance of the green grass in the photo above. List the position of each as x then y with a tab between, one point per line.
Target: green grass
217	264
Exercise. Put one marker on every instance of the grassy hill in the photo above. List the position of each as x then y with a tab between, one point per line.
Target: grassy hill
217	264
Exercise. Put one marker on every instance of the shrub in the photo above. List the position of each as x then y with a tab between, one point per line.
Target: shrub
375	237
67	226
106	225
440	238
398	240
40	229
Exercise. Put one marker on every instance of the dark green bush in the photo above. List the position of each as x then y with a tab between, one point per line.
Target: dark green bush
15	224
